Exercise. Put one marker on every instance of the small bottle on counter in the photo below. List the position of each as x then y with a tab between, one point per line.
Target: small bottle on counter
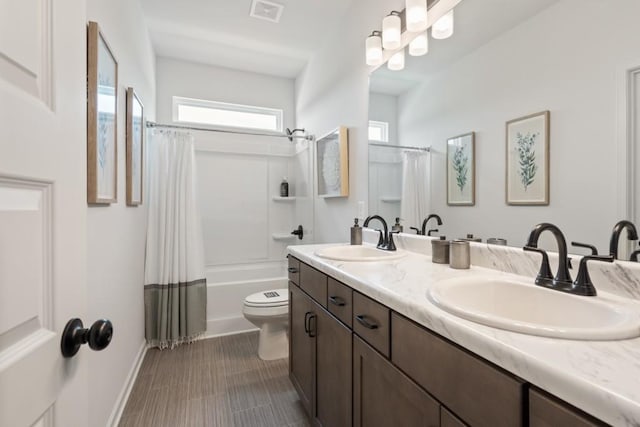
397	228
284	187
356	233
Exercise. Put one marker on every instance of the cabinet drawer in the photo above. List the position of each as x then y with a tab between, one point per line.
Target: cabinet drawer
314	283
548	411
340	301
371	322
294	270
478	393
447	419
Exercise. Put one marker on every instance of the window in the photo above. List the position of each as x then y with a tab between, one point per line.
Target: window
222	114
378	131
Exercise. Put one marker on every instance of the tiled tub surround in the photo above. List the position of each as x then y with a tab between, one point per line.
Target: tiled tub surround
600	377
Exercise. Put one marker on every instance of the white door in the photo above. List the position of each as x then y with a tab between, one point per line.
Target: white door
42	210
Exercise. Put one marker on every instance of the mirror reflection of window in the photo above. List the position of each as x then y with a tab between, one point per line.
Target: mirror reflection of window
378	131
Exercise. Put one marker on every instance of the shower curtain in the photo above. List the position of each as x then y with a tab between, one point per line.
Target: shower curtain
414	206
175	290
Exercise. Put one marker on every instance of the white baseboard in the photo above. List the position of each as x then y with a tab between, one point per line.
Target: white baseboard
121	402
228	326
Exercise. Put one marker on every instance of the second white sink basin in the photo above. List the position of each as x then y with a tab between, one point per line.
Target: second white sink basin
530	309
358	253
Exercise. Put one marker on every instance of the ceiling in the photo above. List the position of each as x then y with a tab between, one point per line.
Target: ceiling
221	32
476	23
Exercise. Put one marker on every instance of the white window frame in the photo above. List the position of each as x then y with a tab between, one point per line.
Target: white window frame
204	103
384	130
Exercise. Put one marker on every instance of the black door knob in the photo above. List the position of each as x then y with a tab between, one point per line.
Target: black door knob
74	335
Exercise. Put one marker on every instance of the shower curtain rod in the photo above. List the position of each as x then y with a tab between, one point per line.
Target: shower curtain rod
404	147
289	134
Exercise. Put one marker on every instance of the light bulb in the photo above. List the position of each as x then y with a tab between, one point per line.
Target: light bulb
391	31
443	27
420	45
416	14
374	49
396	62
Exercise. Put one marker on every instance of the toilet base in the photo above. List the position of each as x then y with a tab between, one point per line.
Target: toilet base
273	342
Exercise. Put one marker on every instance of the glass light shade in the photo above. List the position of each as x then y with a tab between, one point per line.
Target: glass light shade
443	27
420	45
391	32
396	62
374	50
416	14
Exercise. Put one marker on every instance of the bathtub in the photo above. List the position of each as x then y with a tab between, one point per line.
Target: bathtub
227	287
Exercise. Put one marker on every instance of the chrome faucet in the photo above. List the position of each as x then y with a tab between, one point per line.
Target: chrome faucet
424	224
385	239
562	281
632	234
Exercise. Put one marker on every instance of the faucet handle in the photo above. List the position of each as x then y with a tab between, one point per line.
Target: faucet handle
417	230
544	277
594	250
433	230
380	238
634	255
583	285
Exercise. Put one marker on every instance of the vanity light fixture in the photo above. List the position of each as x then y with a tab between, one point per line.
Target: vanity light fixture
374	48
420	45
416	15
396	62
443	27
391	31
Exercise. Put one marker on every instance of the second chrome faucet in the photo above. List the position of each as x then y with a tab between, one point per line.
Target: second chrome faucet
385	240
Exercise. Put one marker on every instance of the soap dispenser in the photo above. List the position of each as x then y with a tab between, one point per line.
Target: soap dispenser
356	233
397	228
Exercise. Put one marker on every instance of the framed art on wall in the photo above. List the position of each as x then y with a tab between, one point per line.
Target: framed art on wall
461	170
102	113
135	148
527	168
332	163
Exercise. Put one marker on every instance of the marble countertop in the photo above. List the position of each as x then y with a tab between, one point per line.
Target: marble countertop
600	377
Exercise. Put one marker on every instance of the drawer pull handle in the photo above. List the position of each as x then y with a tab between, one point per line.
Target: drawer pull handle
337	301
364	322
292	270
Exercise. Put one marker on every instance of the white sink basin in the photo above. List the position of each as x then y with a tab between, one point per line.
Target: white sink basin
358	253
530	309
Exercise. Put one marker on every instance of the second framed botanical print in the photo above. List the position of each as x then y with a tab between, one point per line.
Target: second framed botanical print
135	148
461	170
527	169
332	163
102	113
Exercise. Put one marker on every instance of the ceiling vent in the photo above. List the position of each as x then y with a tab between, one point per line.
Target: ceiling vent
263	9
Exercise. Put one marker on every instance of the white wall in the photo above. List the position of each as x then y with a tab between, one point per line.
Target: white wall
116	234
568	59
333	91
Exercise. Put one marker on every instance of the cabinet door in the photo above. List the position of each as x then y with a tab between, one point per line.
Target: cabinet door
548	411
333	371
301	345
384	396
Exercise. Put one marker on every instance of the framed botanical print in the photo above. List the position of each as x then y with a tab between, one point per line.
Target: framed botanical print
135	148
461	170
102	113
332	163
527	165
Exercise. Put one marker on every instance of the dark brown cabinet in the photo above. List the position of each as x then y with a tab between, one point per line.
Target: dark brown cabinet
548	411
301	345
384	396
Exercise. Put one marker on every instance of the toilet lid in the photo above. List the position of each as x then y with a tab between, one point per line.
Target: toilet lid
275	297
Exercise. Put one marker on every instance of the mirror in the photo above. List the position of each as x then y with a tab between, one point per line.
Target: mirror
535	56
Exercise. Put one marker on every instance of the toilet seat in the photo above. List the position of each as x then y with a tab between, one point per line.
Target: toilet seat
271	298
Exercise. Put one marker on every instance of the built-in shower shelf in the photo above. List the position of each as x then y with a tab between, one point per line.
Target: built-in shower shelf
283	199
390	199
283	236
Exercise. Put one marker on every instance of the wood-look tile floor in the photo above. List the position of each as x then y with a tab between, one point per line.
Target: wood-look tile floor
214	382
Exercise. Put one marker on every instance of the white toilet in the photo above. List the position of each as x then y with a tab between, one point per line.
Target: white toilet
269	311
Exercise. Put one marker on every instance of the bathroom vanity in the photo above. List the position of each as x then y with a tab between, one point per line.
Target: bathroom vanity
367	348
